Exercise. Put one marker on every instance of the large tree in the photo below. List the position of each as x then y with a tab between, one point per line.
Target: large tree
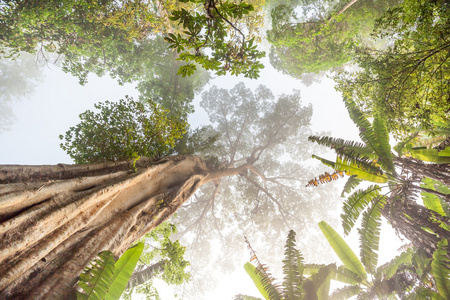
310	37
408	82
55	219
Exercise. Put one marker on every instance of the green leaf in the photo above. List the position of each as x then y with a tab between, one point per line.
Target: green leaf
440	268
342	250
345	292
356	204
351	183
292	268
96	279
351	168
258	279
124	267
369	234
388	270
430	155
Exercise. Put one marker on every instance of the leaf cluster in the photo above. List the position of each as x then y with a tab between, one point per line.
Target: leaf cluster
122	130
208	32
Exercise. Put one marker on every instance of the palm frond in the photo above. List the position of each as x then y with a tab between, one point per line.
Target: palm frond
326	162
352	182
383	147
292	269
401	145
388	269
351	168
369	234
342	250
363	162
321	282
344	275
355	204
440	268
345	292
96	278
375	137
337	143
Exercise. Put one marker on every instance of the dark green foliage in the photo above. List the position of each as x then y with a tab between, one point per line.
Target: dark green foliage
122	130
163	259
310	36
292	269
408	83
88	36
209	31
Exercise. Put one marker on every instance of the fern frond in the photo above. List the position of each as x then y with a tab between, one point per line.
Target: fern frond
337	143
369	234
351	183
292	269
321	282
399	147
355	204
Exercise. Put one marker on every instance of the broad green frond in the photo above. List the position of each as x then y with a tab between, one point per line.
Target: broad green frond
345	292
383	146
353	169
375	137
341	273
96	279
336	143
344	275
356	204
388	270
352	182
326	162
292	269
262	282
430	155
321	281
349	157
440	268
342	250
369	234
400	146
123	270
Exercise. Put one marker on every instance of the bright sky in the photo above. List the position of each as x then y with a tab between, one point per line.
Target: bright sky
54	106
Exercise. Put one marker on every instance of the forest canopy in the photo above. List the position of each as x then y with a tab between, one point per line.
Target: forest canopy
221	157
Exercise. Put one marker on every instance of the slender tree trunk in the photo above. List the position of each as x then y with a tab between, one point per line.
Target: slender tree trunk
409	219
439	172
55	219
145	274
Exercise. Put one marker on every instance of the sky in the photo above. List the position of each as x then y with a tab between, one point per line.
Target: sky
53	107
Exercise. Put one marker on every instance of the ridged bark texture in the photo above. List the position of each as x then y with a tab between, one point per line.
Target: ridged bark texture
55	219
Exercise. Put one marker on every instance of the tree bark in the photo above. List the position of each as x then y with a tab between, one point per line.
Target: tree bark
55	219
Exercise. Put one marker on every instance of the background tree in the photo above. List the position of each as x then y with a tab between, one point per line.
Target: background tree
122	130
269	132
88	35
407	82
169	266
320	35
81	210
18	77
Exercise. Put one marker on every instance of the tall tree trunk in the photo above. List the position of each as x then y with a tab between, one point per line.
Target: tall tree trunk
55	219
439	172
